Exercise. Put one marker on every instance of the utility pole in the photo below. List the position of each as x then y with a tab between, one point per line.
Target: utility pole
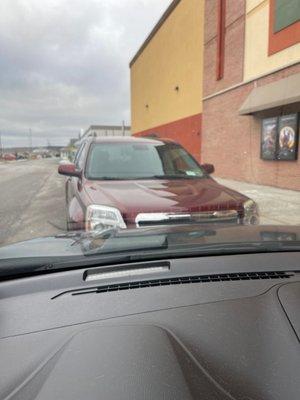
30	140
1	149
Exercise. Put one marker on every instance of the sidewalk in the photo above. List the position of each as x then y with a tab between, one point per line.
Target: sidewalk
276	206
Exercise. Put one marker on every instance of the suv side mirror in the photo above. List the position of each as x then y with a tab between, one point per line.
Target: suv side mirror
208	168
69	170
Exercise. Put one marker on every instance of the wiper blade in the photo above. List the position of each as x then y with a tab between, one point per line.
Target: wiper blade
107	240
133	178
174	177
122	178
110	178
126	244
79	236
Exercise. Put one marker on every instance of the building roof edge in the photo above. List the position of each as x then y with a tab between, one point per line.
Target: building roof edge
153	32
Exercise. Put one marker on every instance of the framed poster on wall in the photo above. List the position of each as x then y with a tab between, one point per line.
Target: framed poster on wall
279	138
269	138
287	137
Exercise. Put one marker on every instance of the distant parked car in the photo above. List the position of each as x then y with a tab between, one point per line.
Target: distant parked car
9	157
64	161
135	182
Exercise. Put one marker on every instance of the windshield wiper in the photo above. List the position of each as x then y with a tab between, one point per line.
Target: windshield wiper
174	176
107	240
109	178
133	178
121	178
142	243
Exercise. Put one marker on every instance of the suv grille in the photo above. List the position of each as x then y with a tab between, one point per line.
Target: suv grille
153	219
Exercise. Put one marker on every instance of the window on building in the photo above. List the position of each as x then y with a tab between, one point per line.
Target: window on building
284	26
287	12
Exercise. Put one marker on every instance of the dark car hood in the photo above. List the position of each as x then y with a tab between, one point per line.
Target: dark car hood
52	246
74	245
132	197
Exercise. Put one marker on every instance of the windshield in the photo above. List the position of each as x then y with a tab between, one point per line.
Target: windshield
124	117
140	161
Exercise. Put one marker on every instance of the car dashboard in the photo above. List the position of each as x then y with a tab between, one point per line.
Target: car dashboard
218	327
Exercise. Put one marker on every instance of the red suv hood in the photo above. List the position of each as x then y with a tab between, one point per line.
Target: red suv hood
182	195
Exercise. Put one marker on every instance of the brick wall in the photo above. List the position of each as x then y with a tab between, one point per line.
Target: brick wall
234	45
232	142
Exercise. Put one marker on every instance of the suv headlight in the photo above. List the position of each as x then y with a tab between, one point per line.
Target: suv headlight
251	214
98	217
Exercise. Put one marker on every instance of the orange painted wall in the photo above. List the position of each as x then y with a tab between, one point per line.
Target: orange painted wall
186	131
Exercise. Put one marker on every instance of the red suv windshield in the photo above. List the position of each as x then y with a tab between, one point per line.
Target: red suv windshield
141	161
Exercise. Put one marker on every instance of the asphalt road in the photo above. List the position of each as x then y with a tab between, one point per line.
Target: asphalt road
32	202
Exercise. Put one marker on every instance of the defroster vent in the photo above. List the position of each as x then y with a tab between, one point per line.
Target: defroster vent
242	276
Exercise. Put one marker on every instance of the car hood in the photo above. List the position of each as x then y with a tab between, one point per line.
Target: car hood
133	197
74	246
52	246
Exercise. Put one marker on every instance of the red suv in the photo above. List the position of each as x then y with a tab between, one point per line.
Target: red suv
130	182
9	157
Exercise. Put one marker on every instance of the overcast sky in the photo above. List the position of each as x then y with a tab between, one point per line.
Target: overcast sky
64	64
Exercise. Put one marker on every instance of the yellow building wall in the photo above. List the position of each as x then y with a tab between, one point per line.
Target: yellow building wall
256	60
173	57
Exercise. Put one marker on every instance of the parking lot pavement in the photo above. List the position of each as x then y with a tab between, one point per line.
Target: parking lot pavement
32	202
277	206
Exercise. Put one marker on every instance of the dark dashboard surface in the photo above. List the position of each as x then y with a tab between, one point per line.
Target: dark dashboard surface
204	328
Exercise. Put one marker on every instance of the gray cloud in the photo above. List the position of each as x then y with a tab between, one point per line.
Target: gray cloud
64	64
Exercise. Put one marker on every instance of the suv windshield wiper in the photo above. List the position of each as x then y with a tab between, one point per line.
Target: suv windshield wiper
175	176
109	178
107	240
132	178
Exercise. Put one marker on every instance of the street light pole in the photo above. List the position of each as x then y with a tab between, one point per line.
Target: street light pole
1	149
123	128
30	140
